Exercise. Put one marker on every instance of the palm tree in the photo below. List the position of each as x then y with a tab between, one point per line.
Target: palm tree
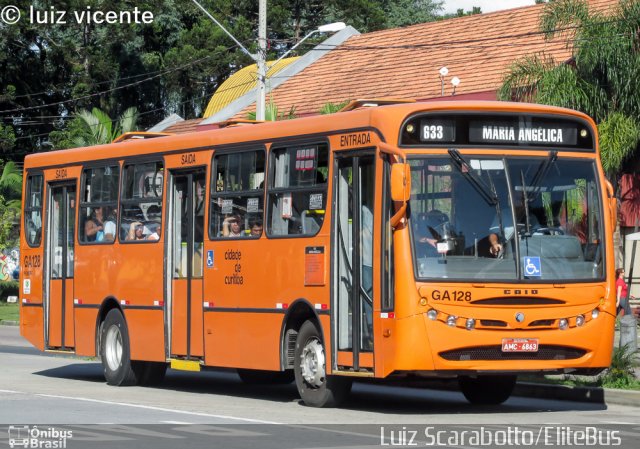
599	80
100	129
10	192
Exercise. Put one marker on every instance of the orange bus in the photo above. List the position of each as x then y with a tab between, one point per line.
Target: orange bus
458	240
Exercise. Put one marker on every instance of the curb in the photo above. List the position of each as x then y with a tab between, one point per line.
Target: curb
9	323
579	394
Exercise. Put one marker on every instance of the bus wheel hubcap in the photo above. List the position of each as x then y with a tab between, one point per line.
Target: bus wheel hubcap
312	364
113	348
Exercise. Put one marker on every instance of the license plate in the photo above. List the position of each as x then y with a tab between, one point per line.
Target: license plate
519	345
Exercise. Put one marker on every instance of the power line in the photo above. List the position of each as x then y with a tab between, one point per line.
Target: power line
162	72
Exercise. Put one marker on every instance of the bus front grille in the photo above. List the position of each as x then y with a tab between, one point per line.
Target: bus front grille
545	352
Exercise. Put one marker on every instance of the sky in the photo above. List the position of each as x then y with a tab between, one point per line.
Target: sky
451	6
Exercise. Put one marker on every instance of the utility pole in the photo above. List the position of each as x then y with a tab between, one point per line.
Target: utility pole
261	60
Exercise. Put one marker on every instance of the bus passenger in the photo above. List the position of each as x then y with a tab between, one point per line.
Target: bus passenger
110	225
231	226
255	227
94	226
155	235
136	231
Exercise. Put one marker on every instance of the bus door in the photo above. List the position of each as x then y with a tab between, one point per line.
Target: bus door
60	233
185	239
353	261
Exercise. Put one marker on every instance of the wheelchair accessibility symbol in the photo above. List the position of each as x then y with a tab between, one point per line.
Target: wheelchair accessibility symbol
531	266
210	258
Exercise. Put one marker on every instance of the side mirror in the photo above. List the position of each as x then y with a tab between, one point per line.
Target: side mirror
400	182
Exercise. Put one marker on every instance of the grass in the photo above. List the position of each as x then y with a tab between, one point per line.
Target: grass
9	312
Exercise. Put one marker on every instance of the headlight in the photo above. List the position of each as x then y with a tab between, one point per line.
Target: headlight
595	313
432	314
563	324
579	320
451	321
471	323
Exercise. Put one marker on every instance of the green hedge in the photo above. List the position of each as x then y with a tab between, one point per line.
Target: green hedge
8	288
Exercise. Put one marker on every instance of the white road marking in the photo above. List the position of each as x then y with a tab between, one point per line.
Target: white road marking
176	422
11	391
161	409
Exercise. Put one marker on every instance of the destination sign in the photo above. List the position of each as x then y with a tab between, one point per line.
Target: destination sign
538	133
496	130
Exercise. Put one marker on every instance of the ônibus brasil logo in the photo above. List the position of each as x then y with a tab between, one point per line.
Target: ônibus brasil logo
33	437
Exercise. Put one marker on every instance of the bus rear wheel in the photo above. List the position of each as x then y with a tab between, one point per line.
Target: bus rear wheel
487	390
314	386
114	350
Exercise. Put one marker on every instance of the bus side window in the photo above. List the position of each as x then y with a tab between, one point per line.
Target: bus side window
298	190
141	202
99	204
237	193
33	210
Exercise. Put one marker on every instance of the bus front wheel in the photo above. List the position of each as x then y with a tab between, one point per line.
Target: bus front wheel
315	387
487	390
114	350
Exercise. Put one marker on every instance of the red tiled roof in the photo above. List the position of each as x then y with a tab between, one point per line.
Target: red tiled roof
404	62
185	126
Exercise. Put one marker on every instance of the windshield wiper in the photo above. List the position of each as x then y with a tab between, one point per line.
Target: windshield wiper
538	177
465	169
498	207
525	203
541	173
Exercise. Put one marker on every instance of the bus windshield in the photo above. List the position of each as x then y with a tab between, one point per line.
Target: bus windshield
463	210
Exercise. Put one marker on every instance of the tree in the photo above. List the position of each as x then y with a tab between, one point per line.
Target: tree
460	12
410	12
10	192
7	139
599	80
94	128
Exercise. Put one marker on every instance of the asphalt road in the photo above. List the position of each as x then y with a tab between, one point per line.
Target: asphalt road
43	390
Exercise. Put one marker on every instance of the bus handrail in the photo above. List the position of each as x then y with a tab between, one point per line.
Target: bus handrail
395	220
388	149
